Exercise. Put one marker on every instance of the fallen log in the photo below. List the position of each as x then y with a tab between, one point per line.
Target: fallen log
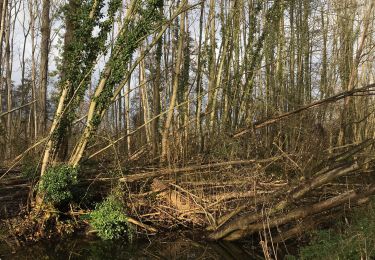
248	229
312	222
295	194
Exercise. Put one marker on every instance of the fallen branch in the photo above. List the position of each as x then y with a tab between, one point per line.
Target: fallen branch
337	97
17	108
298	193
140	224
351	196
136	177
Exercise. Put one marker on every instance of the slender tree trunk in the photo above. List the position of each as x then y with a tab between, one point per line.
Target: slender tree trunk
199	88
44	51
4	13
8	77
25	88
32	10
127	113
173	99
156	96
144	99
212	92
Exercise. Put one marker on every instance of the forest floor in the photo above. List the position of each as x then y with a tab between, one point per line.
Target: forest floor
272	199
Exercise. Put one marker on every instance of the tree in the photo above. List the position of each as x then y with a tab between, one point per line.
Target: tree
173	98
44	47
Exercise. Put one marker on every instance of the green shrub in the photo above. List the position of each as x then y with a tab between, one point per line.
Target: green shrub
109	219
57	182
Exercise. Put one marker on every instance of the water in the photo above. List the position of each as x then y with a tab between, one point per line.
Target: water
160	248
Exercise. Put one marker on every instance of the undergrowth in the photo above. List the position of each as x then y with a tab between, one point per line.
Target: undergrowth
57	183
352	240
109	219
30	168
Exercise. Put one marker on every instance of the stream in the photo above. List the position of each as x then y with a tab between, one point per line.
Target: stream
161	248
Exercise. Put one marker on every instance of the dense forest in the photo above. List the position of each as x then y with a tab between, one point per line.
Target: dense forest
241	118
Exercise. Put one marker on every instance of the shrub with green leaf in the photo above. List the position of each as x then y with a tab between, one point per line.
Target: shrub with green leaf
57	182
109	219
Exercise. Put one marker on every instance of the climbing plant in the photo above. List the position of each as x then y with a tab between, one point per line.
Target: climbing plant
56	184
136	27
141	25
90	24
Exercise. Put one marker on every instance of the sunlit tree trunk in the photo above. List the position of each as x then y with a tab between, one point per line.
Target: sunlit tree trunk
173	98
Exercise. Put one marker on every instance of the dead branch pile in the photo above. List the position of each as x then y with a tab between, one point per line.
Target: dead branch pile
238	198
234	199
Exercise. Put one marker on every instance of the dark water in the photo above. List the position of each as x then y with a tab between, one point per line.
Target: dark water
167	248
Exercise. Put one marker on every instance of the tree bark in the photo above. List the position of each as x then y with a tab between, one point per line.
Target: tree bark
44	51
156	97
173	99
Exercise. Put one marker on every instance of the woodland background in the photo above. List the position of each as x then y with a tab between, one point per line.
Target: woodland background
246	99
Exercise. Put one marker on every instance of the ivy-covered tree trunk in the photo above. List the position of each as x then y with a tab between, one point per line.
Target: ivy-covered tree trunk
81	51
156	95
62	144
142	17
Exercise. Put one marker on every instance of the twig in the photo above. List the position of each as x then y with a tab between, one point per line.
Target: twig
140	224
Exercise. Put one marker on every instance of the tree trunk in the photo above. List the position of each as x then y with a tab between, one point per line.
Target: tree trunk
44	51
173	99
156	97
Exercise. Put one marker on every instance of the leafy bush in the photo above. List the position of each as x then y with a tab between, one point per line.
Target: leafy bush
57	182
109	219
